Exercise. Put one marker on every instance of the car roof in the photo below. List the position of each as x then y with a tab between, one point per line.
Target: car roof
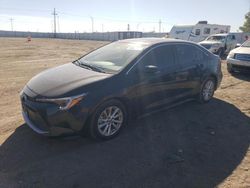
222	34
152	41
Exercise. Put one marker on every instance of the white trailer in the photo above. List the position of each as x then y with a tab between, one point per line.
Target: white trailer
198	32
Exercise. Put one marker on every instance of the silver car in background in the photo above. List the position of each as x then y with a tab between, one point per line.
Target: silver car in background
239	58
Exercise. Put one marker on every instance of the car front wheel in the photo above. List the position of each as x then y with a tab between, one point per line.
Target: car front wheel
107	120
207	90
230	69
221	52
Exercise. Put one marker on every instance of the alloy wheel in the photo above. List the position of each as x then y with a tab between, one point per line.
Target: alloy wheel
110	121
208	90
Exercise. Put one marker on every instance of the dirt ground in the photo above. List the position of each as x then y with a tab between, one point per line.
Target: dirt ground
191	145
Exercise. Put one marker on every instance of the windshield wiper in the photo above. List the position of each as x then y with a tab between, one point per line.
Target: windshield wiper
90	67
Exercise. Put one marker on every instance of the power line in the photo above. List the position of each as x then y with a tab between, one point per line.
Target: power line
114	20
81	16
56	26
28	10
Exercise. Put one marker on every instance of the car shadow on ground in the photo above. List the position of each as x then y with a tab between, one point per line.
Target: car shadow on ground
191	145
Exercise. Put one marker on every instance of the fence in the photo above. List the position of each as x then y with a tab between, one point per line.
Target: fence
107	36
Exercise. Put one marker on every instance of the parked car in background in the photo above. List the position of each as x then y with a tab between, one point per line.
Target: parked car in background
197	32
239	58
100	91
220	44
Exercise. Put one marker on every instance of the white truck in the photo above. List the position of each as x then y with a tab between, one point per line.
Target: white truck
198	32
220	44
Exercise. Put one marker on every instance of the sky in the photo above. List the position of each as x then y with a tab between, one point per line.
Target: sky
115	15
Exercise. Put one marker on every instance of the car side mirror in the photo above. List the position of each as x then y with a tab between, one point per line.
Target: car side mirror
237	45
151	69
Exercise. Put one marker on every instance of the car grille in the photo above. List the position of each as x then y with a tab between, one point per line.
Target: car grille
207	46
242	57
33	115
241	68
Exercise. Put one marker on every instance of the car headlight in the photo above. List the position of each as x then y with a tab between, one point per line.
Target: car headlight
64	103
231	55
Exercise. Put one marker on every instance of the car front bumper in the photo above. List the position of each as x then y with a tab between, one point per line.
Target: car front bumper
50	131
33	126
49	120
238	64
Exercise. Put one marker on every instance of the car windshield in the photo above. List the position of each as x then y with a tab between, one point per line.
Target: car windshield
113	57
216	38
246	44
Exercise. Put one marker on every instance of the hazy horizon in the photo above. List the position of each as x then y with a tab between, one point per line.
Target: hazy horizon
114	15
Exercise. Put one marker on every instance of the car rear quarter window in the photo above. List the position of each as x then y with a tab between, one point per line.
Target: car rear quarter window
189	54
162	57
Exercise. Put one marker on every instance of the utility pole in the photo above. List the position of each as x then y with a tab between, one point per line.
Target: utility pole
128	27
58	24
137	26
92	22
11	24
160	26
249	5
54	14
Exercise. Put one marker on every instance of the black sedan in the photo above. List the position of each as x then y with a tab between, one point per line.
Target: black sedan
100	91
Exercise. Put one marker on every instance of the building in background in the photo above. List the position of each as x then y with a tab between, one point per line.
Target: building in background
198	32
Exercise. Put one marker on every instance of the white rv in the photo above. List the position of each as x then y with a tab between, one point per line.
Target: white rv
198	32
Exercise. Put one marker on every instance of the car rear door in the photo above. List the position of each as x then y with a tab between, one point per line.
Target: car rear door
192	61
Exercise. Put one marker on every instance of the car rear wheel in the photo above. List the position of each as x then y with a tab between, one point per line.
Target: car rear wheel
108	120
207	90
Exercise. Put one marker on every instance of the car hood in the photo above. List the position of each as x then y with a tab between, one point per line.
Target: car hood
241	50
209	42
62	79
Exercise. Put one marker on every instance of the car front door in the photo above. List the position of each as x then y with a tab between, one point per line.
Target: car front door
155	77
230	43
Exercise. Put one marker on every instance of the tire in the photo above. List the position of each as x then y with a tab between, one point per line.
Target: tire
207	90
108	120
230	69
221	52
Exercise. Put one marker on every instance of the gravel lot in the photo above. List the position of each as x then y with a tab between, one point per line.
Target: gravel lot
191	145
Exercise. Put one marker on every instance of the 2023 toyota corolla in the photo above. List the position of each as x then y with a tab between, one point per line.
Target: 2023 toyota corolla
98	92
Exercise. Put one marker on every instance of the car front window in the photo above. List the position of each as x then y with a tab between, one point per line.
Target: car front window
113	57
216	38
162	57
246	44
